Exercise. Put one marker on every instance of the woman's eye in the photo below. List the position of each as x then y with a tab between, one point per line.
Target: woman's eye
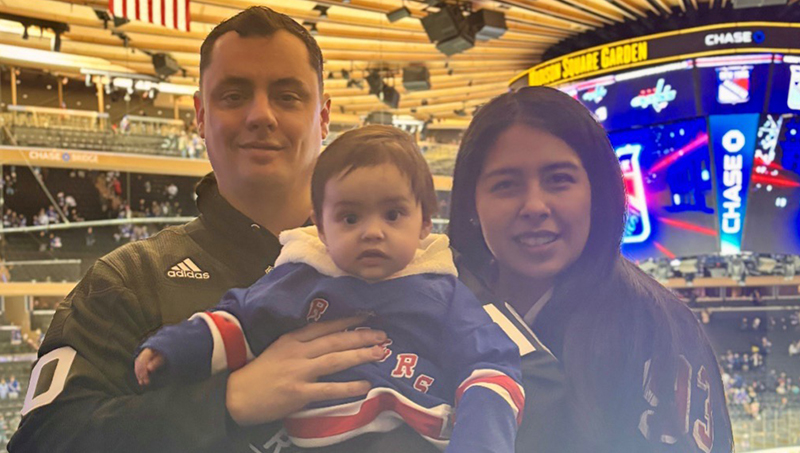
502	185
350	219
560	178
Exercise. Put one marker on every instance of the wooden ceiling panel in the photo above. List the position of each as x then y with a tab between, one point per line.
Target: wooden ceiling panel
355	36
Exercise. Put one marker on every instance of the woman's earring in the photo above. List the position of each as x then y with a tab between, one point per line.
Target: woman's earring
474	222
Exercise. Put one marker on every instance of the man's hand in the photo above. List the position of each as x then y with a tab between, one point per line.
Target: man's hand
283	379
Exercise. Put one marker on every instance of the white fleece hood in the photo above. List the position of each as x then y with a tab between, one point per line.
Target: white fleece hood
303	245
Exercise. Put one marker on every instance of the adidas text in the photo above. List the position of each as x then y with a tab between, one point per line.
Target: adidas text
188	274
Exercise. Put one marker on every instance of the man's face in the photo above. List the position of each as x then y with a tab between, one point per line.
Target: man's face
261	112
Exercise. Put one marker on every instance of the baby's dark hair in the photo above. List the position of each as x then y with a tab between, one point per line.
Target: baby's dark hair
370	146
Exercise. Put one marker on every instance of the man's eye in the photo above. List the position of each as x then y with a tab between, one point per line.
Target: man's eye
232	97
289	98
350	219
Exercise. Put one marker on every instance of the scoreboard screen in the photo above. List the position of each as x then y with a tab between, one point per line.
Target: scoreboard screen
668	180
772	222
709	150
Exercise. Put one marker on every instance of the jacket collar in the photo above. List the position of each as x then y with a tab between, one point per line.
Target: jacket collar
242	236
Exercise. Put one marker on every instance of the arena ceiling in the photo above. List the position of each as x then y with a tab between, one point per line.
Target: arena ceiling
355	36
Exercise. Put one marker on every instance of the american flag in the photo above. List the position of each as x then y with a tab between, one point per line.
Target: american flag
169	13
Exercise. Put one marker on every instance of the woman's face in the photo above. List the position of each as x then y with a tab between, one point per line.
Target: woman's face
533	201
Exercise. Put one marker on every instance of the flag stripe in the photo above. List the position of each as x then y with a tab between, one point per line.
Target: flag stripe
173	14
181	15
130	9
188	16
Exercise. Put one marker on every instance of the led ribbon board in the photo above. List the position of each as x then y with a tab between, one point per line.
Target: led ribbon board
664	47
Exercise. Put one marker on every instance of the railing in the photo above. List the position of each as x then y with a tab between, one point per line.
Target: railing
40	271
773	429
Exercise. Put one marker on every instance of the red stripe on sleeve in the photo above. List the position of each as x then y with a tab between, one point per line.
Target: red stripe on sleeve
232	339
503	381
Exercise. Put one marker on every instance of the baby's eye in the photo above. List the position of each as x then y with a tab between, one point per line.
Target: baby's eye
393	215
350	219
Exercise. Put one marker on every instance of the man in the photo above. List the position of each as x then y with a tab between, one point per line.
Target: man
263	115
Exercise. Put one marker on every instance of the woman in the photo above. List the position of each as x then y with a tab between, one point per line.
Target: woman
538	212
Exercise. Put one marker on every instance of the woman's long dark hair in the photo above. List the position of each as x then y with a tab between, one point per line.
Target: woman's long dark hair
610	316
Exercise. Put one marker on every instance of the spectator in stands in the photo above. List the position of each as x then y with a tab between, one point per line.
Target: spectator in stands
41	219
14	388
155	209
70	202
171	191
74	216
44	241
794	348
52	214
766	346
55	242
90	238
3	389
756	298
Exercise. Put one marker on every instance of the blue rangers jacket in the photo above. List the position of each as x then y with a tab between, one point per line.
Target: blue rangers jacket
448	371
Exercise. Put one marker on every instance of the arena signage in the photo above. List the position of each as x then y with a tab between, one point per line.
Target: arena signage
62	156
664	47
604	58
733	149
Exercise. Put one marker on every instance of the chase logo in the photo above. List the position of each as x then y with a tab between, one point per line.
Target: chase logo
65	157
735	37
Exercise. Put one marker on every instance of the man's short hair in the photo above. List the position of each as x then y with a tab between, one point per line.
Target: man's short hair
370	146
261	21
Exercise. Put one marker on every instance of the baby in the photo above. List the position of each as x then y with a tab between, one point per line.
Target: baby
448	371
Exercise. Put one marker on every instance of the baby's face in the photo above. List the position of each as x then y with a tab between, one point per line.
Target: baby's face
371	222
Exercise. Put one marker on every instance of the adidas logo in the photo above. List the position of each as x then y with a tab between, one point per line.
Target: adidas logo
187	269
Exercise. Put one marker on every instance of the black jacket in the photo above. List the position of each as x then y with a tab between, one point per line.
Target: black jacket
96	404
548	424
